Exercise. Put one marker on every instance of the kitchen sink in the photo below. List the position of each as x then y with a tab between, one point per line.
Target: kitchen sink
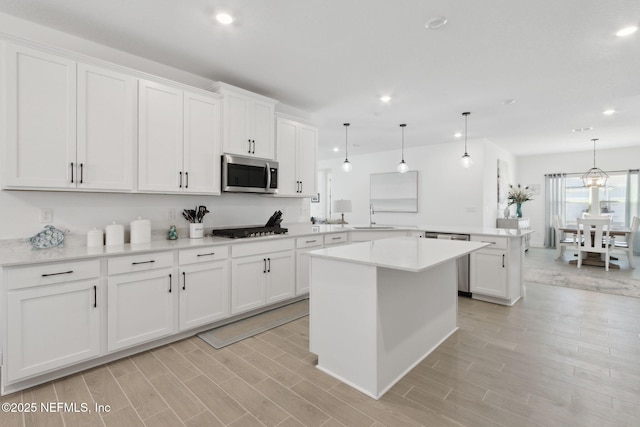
373	227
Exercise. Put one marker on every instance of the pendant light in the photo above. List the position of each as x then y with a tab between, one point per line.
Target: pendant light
465	160
403	167
594	177
346	165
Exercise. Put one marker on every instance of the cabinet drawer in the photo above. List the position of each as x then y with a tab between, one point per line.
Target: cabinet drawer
332	239
272	245
46	274
497	242
145	262
309	241
212	253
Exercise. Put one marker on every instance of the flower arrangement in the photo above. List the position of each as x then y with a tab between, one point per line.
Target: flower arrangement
519	195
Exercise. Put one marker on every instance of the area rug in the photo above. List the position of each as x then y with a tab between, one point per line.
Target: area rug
245	328
611	284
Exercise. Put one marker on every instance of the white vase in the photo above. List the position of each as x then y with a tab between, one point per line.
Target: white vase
196	230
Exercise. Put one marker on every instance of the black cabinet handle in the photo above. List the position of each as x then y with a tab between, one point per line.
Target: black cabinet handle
180	185
310	241
249	152
502	260
170	282
187	176
301	186
81	172
184	281
269	268
264	268
254	147
56	274
72	172
95	296
143	262
336	238
209	254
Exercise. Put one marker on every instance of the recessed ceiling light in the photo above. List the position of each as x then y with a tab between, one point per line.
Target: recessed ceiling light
609	112
435	23
224	18
336	149
581	129
627	31
509	101
457	134
385	98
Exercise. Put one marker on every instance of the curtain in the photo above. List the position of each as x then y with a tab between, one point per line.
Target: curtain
555	198
632	206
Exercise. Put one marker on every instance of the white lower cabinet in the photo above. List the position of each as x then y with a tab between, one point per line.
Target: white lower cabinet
489	273
204	293
140	307
51	327
260	276
311	243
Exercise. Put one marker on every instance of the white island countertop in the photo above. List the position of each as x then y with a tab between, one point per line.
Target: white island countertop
401	253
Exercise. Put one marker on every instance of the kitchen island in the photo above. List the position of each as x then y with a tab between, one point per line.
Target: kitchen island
378	308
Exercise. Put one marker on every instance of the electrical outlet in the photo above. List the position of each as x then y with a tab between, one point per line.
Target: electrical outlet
46	215
171	214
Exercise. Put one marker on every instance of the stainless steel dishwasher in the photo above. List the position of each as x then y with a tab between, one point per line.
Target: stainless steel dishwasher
462	262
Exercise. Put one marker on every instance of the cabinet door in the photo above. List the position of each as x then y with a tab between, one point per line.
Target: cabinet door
204	294
160	135
247	283
280	277
262	130
489	273
106	129
307	160
52	326
201	144
40	119
237	116
288	182
303	264
140	307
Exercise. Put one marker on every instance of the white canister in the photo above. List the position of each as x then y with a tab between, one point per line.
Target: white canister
95	238
140	231
196	230
115	234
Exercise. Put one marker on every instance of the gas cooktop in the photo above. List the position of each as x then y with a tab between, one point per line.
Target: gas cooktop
271	227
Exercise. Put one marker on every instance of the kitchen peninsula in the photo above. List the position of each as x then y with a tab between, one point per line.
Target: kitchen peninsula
378	308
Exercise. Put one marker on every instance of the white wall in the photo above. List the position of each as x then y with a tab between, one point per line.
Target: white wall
531	170
79	212
447	193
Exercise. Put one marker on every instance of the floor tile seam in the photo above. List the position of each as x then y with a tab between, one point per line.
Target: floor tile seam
206	406
204	374
290	390
266	355
457	409
84	380
279	364
335	397
169	368
261	393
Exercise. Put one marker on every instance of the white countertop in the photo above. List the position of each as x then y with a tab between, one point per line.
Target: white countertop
19	252
401	253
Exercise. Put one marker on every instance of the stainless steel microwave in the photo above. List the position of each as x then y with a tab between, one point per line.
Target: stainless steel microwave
248	175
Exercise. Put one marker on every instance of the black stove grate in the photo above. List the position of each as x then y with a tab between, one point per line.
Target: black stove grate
239	233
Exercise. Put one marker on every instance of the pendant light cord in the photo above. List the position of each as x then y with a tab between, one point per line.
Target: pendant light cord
466	115
594	152
403	126
346	139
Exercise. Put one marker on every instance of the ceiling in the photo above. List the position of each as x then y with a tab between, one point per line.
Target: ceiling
559	60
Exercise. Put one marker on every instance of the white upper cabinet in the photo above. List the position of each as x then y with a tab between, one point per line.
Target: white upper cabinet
297	156
106	138
69	125
41	119
178	141
248	122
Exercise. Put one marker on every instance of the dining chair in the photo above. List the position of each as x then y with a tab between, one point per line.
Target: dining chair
626	246
594	237
564	240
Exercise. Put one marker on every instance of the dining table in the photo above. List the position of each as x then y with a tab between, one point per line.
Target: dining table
594	258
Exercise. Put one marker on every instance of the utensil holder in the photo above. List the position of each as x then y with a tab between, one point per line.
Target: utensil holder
196	230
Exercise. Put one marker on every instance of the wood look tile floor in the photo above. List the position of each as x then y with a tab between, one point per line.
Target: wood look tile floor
559	357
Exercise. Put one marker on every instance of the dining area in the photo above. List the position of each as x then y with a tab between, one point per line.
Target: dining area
596	240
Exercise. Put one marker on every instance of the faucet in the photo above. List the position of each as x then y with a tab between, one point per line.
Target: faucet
371	212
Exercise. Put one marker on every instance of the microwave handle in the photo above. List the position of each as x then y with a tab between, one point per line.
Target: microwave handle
268	172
